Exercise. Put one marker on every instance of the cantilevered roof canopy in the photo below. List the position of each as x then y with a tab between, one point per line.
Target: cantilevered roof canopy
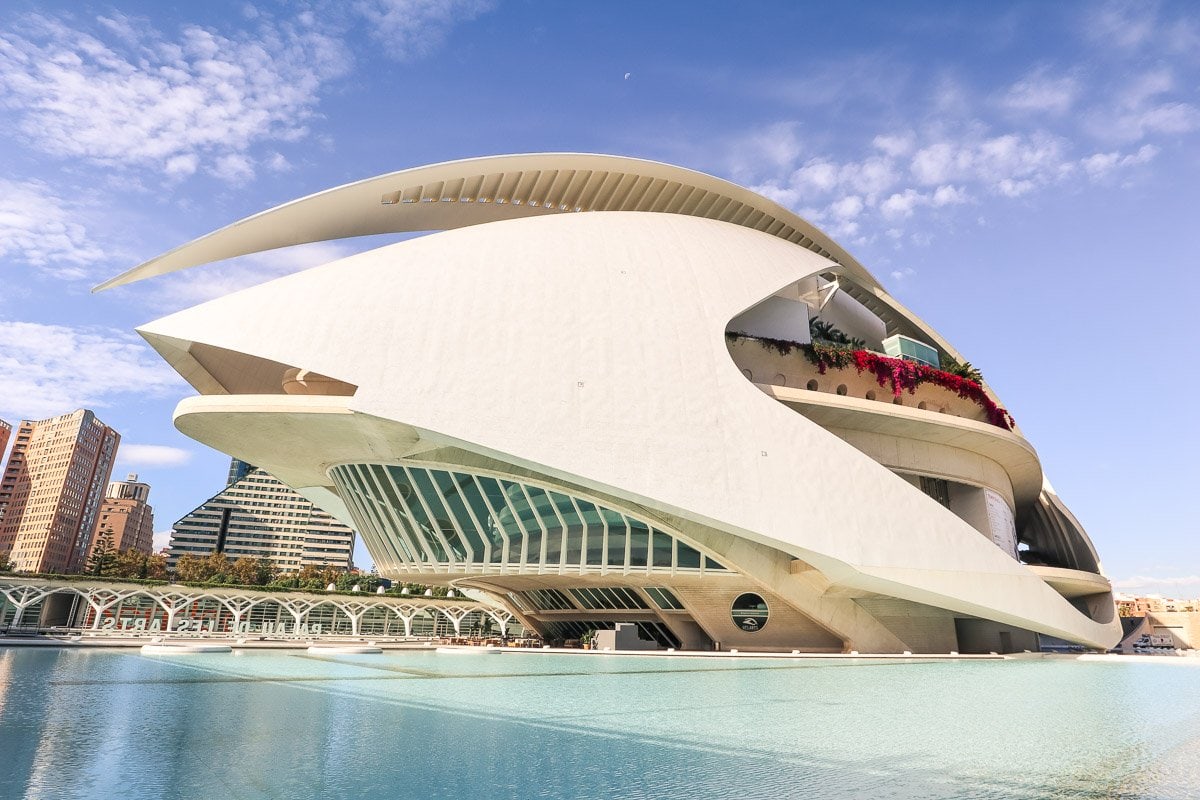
457	194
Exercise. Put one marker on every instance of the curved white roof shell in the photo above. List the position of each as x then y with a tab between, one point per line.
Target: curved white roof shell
456	194
591	348
474	191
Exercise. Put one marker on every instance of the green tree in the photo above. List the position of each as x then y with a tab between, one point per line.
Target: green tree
310	578
103	558
192	568
820	329
129	563
217	568
365	581
212	568
265	570
156	567
964	370
285	582
244	571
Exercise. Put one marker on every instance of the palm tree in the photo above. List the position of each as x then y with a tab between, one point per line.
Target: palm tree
963	370
819	329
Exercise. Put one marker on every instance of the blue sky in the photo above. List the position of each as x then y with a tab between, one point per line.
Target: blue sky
1024	176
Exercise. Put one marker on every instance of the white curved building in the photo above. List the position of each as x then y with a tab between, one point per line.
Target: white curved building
593	395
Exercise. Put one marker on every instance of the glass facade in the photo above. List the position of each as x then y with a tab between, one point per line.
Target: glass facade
421	519
665	598
604	598
909	349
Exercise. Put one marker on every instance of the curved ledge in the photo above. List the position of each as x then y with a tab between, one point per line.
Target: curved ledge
261	429
1015	455
1071	583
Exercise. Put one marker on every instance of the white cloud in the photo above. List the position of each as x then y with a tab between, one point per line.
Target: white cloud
233	168
895	145
276	162
1041	92
1015	188
938	162
906	172
1144	87
1127	25
944	145
902	274
121	26
1101	164
1143	582
870	176
901	204
54	369
1171	118
815	177
42	230
125	94
162	539
411	29
821	177
847	208
776	146
181	166
152	455
1012	164
951	99
948	196
1143	107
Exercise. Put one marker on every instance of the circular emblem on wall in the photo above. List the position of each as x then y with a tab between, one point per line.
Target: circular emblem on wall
749	612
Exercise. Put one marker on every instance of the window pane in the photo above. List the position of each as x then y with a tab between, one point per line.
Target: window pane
639	537
452	488
617	532
595	532
662	549
441	517
687	557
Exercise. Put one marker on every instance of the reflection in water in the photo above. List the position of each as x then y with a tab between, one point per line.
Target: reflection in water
94	723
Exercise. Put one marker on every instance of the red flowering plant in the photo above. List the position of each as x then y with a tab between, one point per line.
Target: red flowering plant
905	376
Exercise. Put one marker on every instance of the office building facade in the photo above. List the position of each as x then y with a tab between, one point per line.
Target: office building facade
126	518
258	516
52	489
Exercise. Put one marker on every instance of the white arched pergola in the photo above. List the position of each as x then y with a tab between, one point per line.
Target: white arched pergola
99	600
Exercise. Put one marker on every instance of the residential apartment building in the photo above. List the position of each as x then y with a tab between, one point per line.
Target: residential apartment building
51	491
1139	606
256	515
5	432
1157	623
126	516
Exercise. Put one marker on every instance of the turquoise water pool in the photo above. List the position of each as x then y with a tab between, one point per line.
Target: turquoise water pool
87	723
